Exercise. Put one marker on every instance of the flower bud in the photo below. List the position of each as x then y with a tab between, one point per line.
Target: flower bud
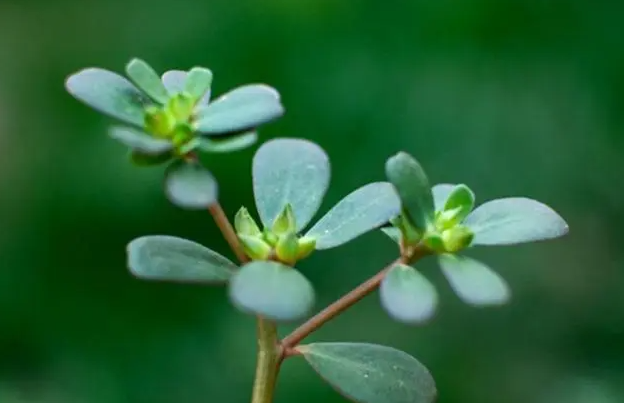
287	248
255	247
457	238
306	245
285	221
245	224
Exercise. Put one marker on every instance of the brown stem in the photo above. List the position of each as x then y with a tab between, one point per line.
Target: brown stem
228	231
344	303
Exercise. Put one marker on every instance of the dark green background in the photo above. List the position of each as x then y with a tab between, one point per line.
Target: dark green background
513	97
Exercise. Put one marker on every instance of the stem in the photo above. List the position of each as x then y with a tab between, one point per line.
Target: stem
344	303
268	362
269	357
228	231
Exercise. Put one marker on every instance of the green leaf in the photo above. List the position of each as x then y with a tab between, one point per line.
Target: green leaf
441	193
144	76
393	233
412	184
362	210
474	282
146	160
370	373
241	109
272	290
140	141
198	82
108	93
294	171
168	258
514	220
190	185
407	295
175	81
229	144
461	199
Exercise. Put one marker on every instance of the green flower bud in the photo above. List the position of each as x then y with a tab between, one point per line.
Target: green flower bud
159	122
287	248
306	245
255	247
409	233
457	238
270	237
448	218
434	242
285	221
245	224
181	107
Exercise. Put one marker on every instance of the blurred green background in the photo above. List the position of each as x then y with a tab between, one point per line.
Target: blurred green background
514	97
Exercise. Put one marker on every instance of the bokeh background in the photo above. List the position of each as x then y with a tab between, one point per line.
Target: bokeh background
514	97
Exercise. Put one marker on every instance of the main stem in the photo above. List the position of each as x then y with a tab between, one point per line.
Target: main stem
269	357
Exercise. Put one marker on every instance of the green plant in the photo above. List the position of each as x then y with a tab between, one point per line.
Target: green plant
171	120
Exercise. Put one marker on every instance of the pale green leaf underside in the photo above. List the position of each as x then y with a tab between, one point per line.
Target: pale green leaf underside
198	81
144	76
407	295
294	171
514	220
441	193
361	211
190	186
241	109
412	184
175	81
108	93
370	373
140	141
272	290
474	282
167	258
392	233
228	144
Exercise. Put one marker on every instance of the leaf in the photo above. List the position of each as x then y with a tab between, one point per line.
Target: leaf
198	82
474	282
108	93
393	233
370	373
362	210
144	76
146	160
272	290
175	80
228	144
241	109
407	295
412	184
167	258
462	199
514	220
294	171
190	185
441	192
140	141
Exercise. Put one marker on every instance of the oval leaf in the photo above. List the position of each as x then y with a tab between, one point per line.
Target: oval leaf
441	193
229	144
291	171
370	373
461	198
168	258
198	82
108	93
241	109
362	210
144	76
514	220
140	141
190	186
407	295
474	282
272	290
412	184
175	81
